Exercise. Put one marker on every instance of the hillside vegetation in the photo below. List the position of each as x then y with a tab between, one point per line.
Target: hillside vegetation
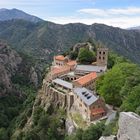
120	85
33	45
17	92
44	39
17	111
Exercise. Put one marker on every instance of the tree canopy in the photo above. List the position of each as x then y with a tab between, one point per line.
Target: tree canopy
93	132
120	85
86	56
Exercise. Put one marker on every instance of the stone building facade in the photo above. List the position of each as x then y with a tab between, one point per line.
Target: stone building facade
102	56
70	86
60	60
90	106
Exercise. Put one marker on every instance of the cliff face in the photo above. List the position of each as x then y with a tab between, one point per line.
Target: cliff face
15	69
129	126
9	61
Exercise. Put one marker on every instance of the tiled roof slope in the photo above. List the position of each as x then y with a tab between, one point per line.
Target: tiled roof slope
57	70
60	57
72	63
97	111
87	78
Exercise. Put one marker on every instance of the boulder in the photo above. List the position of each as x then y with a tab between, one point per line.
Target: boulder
70	128
108	138
129	126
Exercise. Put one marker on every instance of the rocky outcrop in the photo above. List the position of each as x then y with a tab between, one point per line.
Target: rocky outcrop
108	138
70	127
9	61
129	126
81	45
33	77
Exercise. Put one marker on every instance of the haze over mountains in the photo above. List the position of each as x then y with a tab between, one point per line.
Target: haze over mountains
42	39
135	28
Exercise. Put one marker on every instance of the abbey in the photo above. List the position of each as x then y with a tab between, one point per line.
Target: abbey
72	85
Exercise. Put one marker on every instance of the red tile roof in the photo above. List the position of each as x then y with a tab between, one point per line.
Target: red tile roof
57	70
60	57
97	111
87	78
71	63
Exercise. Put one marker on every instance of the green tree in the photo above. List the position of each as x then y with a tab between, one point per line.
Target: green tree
44	122
31	135
138	110
114	59
93	132
3	134
132	102
86	56
73	55
117	83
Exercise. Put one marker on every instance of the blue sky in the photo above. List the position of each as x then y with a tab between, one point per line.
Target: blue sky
119	13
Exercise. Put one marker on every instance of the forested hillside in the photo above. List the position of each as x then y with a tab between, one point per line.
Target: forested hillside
27	116
31	46
17	88
44	39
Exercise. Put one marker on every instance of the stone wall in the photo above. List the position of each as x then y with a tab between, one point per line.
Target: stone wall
129	126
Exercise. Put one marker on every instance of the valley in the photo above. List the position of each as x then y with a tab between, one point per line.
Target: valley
60	81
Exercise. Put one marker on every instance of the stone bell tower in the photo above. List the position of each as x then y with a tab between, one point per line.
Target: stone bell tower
102	56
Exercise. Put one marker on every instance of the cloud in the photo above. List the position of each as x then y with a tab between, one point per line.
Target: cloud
123	22
119	17
130	11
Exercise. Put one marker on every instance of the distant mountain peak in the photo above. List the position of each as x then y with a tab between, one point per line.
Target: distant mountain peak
134	28
3	9
9	14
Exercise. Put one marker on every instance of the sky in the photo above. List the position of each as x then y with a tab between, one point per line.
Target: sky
118	13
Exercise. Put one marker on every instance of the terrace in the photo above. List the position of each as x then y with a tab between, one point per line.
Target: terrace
62	85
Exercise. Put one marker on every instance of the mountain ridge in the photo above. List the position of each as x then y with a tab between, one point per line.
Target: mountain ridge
45	39
9	14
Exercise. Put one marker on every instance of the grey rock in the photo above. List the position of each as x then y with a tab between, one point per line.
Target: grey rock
9	61
70	128
129	126
34	77
108	138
